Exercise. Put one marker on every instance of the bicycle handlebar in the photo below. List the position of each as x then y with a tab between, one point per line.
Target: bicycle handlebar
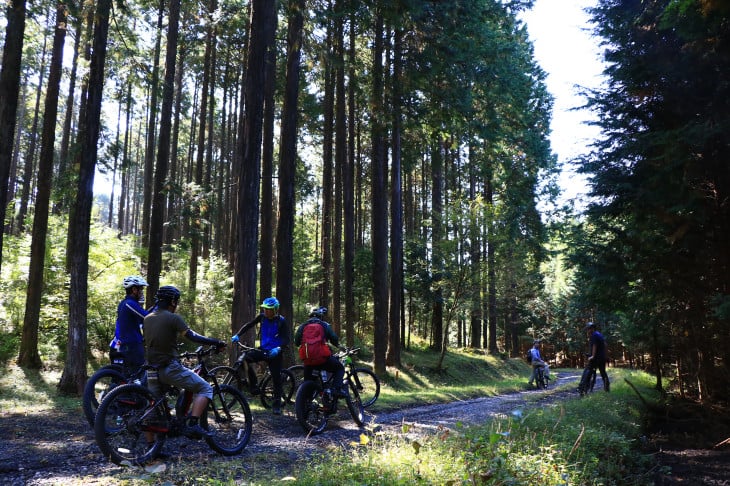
347	352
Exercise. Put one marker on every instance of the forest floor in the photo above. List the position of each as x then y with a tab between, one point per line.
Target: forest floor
59	448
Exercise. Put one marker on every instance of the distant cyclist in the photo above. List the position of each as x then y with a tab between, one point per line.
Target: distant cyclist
537	362
274	337
599	354
128	343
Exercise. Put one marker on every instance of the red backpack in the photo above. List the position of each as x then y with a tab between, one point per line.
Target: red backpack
314	350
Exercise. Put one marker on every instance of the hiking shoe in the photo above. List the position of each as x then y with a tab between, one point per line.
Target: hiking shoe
195	432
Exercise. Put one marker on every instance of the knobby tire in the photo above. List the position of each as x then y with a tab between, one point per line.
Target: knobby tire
99	385
228	417
122	419
309	408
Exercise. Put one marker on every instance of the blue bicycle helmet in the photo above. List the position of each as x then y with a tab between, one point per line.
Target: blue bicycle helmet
270	303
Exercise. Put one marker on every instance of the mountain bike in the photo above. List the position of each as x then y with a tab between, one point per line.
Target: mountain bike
131	425
587	379
237	376
540	379
103	381
316	401
365	380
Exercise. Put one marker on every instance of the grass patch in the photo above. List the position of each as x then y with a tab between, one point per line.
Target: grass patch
465	374
588	441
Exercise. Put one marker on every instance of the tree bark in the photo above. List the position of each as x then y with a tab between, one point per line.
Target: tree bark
29	356
157	216
288	162
379	204
263	18
74	373
9	89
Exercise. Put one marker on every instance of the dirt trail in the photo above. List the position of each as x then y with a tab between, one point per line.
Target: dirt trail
60	448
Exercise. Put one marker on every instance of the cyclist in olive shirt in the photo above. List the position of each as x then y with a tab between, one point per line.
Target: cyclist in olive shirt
162	328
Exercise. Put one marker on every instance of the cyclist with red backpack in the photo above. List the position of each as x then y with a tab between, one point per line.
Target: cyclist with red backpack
312	337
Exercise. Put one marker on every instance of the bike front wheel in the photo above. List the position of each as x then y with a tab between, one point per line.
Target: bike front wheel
355	406
228	417
367	384
310	409
129	429
99	385
585	385
288	387
225	375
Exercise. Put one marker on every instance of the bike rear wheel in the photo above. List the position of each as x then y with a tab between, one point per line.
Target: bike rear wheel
128	428
229	418
288	387
367	384
310	409
99	385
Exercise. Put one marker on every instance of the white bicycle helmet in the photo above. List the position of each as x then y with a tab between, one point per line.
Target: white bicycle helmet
134	281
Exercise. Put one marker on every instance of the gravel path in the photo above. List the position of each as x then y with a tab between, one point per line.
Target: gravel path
60	449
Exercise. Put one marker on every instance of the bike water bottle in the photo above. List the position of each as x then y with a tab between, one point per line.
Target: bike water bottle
323	375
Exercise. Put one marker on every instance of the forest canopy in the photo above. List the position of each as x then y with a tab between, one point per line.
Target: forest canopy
383	159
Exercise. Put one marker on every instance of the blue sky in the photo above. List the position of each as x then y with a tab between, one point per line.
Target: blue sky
566	50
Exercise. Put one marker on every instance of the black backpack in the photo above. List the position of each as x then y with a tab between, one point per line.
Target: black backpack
529	356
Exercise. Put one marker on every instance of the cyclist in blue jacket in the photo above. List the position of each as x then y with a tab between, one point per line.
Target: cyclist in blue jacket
274	337
537	361
128	340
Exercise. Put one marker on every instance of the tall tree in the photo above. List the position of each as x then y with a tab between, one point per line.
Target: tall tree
159	199
263	18
288	160
29	356
379	220
74	373
9	89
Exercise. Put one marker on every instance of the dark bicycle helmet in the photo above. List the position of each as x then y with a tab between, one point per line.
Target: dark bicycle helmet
318	312
167	293
590	325
270	303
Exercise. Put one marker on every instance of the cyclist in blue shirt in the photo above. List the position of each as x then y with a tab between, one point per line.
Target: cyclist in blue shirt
274	336
537	361
128	340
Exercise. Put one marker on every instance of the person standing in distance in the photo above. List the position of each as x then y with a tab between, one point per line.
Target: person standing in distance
163	327
599	354
128	340
274	337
